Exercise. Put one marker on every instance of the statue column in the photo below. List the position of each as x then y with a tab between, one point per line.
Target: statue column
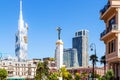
59	52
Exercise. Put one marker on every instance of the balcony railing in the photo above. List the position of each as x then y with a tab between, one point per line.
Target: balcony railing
102	11
113	27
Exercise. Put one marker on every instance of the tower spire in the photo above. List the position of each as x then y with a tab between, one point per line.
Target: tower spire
21	21
20	5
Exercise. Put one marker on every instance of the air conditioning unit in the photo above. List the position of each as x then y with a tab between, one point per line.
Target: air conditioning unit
114	27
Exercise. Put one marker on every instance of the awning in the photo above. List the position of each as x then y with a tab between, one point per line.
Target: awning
15	78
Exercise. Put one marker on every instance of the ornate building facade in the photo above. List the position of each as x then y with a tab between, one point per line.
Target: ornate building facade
111	35
19	70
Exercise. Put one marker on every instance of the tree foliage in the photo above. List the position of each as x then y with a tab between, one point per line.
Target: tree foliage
65	74
103	61
108	76
94	59
3	74
77	76
42	71
53	76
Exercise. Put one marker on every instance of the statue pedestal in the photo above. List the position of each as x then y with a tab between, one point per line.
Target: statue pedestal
59	54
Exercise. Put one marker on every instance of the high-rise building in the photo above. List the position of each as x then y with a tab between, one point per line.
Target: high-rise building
80	42
70	58
111	35
21	38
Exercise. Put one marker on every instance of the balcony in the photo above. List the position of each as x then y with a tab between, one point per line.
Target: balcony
113	29
102	11
109	9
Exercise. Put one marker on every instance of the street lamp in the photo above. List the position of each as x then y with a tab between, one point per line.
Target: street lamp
93	48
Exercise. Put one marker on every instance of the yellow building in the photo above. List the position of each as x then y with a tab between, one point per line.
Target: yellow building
111	35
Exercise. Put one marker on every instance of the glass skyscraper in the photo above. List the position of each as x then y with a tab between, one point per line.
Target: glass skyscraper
70	58
80	42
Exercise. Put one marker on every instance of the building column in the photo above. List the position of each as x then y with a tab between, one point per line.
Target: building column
109	65
119	70
115	70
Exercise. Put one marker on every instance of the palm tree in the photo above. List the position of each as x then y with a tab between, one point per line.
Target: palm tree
103	61
94	59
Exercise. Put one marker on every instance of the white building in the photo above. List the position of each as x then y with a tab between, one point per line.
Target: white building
19	70
21	38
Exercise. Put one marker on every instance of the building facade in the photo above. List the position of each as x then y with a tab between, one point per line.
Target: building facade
111	35
88	70
80	42
21	41
19	70
70	58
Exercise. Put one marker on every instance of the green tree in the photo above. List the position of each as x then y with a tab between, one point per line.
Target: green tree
46	68
52	59
70	76
65	74
109	75
3	74
103	61
53	76
42	71
77	76
94	59
39	71
84	75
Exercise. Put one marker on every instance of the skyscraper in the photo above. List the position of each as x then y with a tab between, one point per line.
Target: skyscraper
70	58
21	38
80	42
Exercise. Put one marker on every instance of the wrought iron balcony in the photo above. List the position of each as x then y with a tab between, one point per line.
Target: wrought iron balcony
111	28
102	11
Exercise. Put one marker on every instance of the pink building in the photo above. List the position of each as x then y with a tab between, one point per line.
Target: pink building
98	70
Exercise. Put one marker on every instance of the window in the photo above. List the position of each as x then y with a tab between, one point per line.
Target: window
79	33
111	46
3	63
76	34
112	21
83	32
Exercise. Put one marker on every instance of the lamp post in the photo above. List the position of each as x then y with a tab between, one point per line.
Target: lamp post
93	48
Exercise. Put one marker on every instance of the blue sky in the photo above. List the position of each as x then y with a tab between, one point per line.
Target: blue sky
43	16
